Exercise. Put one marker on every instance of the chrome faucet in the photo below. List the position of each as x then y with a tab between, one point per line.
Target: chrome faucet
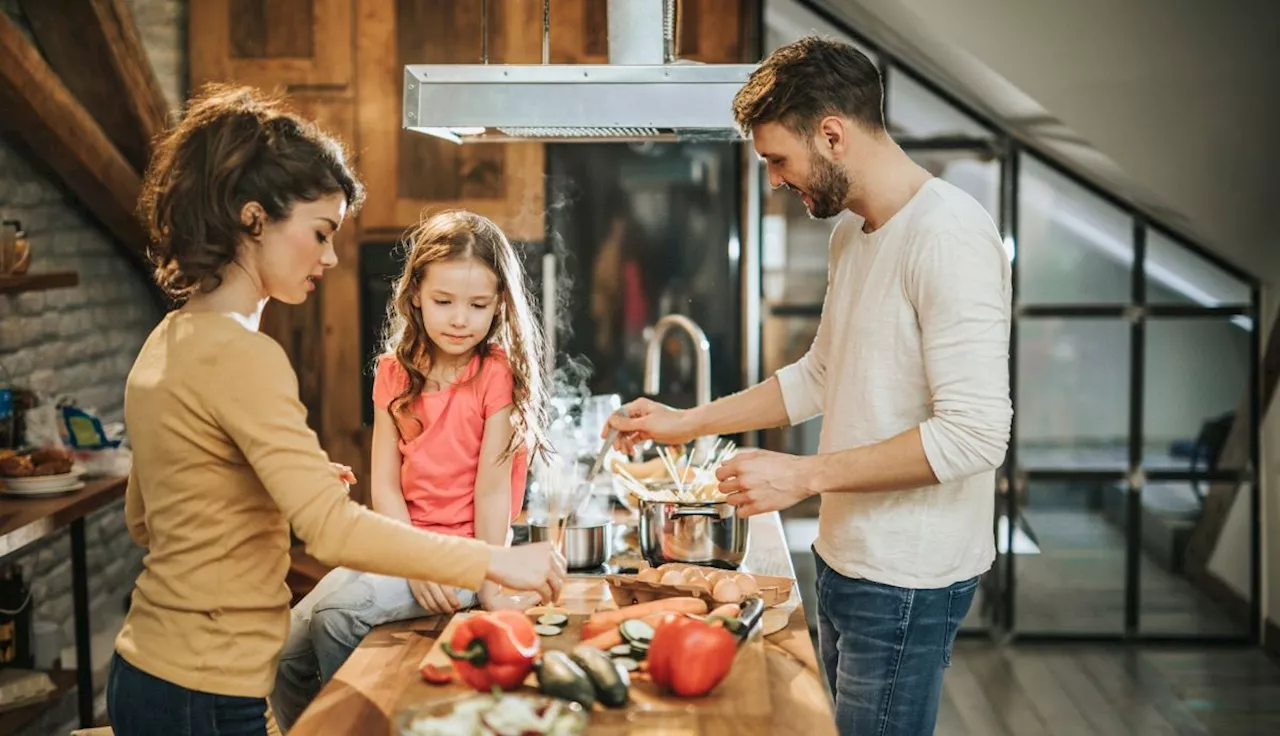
702	350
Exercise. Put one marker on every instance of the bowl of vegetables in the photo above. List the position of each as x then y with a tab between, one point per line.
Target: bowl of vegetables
497	714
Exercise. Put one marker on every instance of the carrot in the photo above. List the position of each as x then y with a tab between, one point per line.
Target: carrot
590	630
610	636
728	610
695	606
606	640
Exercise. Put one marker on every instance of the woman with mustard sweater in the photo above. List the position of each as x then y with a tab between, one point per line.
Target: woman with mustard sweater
242	200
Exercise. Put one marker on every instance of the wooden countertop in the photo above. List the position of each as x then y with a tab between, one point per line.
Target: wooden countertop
383	671
25	520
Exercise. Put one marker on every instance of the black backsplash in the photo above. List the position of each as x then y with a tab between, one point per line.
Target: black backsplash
680	205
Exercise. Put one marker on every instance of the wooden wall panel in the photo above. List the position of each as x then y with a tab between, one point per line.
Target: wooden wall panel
287	45
409	173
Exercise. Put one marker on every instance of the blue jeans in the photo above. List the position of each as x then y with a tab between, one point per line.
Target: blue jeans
329	623
140	704
884	650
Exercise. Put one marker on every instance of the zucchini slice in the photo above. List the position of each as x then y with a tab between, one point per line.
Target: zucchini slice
553	619
636	631
627	663
544	630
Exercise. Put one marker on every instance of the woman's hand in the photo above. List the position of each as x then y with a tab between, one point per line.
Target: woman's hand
435	598
537	567
492	598
345	474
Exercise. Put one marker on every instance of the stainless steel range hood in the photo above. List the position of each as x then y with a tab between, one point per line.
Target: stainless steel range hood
643	93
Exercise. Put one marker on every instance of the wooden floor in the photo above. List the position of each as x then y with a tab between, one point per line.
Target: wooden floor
1076	584
1108	691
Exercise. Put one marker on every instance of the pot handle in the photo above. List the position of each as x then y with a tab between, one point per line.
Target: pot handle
695	512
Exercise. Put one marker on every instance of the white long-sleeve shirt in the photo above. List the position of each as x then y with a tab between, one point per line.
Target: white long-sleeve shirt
914	332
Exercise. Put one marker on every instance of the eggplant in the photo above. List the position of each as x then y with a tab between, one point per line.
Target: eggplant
560	677
611	681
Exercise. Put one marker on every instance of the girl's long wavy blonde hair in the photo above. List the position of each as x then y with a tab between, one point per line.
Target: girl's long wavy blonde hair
454	235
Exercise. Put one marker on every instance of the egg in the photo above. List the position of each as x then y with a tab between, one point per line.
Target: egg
649	575
747	584
672	577
727	591
693	575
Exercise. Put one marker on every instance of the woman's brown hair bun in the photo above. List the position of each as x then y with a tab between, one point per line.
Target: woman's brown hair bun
235	145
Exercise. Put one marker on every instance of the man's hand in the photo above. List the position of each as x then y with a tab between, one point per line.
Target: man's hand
434	597
759	481
645	419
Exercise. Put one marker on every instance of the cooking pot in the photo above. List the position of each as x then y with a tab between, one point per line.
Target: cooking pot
586	545
699	532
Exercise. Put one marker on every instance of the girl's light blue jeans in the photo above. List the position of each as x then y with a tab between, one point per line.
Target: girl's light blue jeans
329	623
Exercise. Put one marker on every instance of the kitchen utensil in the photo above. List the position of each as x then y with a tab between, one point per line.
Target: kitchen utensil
585	546
703	533
750	617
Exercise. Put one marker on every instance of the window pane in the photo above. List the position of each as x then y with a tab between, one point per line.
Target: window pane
1197	380
786	21
1069	558
1176	275
1174	600
1072	246
978	177
915	112
1073	393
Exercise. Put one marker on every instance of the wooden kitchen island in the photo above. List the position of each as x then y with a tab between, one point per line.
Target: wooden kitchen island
382	674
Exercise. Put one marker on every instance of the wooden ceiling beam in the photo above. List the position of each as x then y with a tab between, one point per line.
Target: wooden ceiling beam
94	46
41	113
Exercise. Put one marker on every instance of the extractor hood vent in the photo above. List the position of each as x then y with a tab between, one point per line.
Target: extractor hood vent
641	94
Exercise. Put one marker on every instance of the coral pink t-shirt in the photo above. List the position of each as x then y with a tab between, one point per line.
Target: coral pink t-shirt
438	466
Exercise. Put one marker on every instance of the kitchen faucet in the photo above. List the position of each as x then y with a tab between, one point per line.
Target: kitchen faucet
702	351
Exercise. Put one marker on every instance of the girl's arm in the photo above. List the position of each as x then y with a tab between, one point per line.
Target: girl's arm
493	490
385	492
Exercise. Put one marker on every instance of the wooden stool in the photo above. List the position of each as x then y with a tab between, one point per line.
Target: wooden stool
100	731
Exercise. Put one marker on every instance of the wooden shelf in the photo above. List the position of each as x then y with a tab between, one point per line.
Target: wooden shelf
12	721
38	281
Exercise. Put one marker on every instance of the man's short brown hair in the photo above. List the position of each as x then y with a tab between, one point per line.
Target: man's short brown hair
806	80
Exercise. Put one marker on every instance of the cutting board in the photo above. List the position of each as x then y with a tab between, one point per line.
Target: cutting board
744	692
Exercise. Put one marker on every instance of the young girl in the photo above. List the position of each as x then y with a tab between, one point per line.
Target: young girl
460	404
242	200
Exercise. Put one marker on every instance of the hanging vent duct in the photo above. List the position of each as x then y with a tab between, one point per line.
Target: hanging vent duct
643	93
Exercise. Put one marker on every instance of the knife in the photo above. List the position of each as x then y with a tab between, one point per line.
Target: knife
752	612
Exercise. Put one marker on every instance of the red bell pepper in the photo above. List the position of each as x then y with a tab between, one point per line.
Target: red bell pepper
494	649
689	657
436	675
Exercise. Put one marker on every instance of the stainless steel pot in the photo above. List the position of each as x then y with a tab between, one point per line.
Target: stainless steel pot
586	546
702	533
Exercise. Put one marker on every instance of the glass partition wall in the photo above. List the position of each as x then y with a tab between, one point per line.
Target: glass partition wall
1127	508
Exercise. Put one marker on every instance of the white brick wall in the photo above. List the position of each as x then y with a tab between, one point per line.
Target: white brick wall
82	342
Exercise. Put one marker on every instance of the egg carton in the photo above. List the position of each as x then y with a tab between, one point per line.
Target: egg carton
629	589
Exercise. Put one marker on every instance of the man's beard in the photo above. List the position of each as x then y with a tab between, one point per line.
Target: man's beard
828	186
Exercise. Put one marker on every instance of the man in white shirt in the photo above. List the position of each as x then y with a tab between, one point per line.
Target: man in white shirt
910	372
